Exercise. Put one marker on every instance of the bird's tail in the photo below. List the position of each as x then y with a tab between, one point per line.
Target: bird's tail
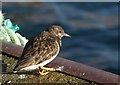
16	69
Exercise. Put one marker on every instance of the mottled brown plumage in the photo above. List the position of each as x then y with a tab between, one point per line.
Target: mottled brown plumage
41	48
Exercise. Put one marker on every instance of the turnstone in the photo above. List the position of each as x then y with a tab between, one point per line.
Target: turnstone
41	50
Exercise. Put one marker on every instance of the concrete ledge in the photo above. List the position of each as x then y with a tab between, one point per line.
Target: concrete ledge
33	77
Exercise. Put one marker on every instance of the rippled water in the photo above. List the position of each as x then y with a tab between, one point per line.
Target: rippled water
93	27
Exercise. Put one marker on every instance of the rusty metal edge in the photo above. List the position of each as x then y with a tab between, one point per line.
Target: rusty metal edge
70	67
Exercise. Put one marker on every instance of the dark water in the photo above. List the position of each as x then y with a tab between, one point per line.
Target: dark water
93	27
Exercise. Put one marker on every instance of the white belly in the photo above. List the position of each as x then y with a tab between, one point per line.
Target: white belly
33	67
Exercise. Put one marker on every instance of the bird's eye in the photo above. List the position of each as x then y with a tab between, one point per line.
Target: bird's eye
60	31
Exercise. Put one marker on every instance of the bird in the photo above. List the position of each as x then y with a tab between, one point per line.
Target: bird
41	50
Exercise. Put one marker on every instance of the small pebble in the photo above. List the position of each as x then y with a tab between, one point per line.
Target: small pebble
9	82
22	76
60	68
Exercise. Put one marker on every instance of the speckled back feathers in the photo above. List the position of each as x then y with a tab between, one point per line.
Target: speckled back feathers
41	48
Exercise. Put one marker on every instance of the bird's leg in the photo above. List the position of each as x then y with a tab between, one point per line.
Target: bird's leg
48	69
43	71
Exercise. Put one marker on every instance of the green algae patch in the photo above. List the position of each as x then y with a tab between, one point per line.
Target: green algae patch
9	63
33	77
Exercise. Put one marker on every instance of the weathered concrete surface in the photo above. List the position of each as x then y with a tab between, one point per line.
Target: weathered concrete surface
70	67
32	77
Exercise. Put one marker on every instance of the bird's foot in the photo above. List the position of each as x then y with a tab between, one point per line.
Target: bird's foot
43	72
44	69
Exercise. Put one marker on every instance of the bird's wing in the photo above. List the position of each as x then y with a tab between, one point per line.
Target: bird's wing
37	50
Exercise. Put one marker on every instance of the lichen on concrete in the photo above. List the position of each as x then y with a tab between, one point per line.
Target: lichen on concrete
33	77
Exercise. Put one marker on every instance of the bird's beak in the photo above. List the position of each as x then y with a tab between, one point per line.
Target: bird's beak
67	35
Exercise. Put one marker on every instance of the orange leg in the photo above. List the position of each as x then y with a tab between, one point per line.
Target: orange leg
46	68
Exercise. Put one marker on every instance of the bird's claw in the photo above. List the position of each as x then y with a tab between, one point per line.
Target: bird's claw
43	73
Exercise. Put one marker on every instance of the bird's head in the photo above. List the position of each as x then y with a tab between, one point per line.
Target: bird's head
58	31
